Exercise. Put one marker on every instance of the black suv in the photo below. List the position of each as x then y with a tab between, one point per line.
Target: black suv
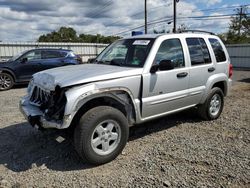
21	67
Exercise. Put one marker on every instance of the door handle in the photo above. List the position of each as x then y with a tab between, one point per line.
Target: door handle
182	74
211	69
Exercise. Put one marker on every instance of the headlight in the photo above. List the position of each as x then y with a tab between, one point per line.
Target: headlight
30	86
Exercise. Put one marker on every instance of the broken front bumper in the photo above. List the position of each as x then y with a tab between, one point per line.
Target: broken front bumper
36	117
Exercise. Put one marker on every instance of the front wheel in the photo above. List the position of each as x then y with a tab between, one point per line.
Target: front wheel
6	81
213	105
101	134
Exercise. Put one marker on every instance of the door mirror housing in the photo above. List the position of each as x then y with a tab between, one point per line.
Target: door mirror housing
154	68
163	65
166	65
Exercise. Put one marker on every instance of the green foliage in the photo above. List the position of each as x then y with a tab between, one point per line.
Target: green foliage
68	34
159	32
239	29
97	38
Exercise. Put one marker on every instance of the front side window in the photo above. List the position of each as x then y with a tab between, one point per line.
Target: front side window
198	51
33	55
218	50
127	52
171	49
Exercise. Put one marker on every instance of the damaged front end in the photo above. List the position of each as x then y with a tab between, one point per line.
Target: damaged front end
44	108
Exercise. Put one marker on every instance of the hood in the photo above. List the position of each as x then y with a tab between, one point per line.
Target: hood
4	63
80	74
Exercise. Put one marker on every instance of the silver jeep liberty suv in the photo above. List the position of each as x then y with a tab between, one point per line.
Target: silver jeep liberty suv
132	81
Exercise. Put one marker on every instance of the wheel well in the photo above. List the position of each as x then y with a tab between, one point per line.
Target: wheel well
220	85
10	73
119	101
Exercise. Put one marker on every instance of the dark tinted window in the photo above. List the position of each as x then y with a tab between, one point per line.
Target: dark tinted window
171	49
218	50
139	55
198	51
51	54
63	54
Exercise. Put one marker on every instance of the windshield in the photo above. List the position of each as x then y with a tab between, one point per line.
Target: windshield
15	57
127	52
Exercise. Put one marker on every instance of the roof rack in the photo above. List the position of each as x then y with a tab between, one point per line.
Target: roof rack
197	31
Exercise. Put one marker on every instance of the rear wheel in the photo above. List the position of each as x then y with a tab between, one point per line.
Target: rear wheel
101	134
6	81
213	105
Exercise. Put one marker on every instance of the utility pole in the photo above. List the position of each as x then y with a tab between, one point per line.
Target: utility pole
146	22
241	12
174	27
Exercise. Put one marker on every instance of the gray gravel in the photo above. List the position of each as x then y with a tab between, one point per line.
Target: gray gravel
176	151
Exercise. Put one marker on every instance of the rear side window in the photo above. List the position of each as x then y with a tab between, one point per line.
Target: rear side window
198	51
51	54
218	50
171	49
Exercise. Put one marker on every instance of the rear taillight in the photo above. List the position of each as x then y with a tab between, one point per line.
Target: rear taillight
230	70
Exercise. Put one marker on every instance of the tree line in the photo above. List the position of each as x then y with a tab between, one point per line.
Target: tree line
68	34
239	28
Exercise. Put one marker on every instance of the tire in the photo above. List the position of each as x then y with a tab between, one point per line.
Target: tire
213	105
101	134
6	81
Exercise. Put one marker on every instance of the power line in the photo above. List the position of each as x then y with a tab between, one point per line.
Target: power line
226	16
179	18
222	8
135	14
101	10
191	17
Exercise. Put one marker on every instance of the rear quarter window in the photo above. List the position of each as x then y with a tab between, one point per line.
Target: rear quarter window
218	50
70	54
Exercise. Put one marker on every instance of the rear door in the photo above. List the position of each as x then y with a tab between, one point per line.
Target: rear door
201	68
220	55
52	59
166	91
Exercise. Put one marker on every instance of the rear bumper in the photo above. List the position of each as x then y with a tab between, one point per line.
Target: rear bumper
36	117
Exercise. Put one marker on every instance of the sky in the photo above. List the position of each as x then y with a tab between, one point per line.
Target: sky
26	20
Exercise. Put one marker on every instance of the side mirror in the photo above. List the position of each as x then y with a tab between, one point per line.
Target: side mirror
91	60
154	68
24	60
166	65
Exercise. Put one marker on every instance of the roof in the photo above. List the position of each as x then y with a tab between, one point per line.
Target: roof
52	49
153	36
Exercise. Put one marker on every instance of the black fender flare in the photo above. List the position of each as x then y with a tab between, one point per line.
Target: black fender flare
9	71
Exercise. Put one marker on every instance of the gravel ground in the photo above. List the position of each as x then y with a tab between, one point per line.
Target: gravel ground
175	151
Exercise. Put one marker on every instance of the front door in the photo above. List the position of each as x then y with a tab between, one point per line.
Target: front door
166	91
31	65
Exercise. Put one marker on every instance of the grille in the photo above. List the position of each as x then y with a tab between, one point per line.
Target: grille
39	96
